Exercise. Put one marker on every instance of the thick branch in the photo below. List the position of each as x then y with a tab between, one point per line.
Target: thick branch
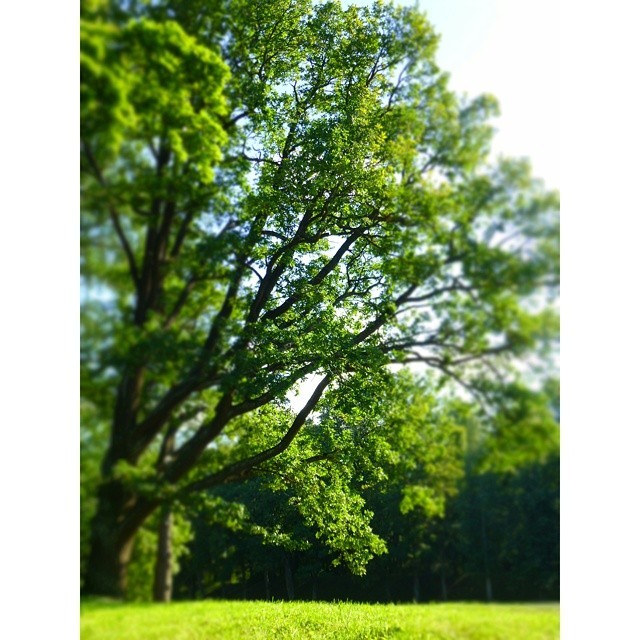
190	451
156	241
457	286
181	234
126	247
180	302
239	469
193	381
381	319
115	218
275	270
146	430
228	123
225	311
259	401
318	278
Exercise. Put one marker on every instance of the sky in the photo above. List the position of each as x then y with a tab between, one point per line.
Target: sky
510	49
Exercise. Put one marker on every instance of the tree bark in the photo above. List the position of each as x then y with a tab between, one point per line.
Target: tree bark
267	585
488	589
163	573
112	531
111	544
245	579
163	579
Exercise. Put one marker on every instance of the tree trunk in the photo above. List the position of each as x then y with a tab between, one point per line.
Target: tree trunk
485	555
163	579
245	580
416	587
107	567
163	574
488	589
288	579
267	586
111	543
114	525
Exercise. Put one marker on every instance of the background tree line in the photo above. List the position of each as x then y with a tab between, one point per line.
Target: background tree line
465	511
508	552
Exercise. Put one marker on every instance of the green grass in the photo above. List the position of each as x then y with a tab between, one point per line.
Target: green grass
215	620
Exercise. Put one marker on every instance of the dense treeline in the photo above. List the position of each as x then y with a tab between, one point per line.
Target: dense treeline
500	540
461	509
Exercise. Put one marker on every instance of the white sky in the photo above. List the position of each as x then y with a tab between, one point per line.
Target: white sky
511	49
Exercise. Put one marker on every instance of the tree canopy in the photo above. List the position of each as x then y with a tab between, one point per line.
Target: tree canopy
277	197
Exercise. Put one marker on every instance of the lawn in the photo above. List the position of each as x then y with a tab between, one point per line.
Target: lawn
237	620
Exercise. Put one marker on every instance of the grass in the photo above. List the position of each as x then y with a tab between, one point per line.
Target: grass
236	620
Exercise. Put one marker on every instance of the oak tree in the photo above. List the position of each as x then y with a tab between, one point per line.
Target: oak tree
281	196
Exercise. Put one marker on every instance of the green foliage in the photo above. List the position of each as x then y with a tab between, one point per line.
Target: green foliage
521	430
380	444
340	620
144	83
281	192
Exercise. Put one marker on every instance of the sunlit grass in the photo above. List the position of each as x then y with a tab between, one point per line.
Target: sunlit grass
215	620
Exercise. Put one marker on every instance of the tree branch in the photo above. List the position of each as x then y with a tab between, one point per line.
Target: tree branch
180	302
114	216
240	469
318	278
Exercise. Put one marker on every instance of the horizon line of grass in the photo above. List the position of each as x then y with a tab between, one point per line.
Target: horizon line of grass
340	620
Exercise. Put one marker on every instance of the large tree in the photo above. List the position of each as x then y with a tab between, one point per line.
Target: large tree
279	196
